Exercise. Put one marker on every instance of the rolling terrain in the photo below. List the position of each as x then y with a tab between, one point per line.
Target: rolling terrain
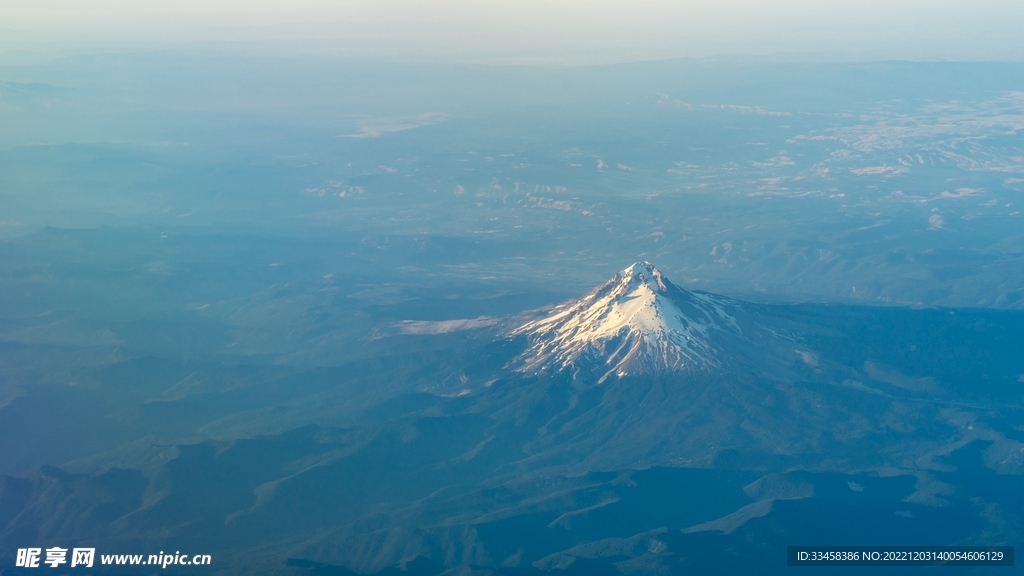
642	428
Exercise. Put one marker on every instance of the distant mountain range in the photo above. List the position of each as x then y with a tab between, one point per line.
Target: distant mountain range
642	429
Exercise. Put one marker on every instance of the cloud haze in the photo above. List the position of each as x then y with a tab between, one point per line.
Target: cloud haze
534	31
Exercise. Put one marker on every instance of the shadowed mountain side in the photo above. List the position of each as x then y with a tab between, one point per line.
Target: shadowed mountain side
715	420
426	483
449	454
367	516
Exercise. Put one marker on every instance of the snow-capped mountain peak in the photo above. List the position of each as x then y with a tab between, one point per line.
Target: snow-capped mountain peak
637	322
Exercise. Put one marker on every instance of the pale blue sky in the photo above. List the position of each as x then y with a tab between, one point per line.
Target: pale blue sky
566	31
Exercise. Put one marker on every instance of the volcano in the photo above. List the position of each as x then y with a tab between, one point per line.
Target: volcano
638	322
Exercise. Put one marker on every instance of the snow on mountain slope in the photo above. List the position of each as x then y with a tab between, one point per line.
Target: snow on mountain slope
637	322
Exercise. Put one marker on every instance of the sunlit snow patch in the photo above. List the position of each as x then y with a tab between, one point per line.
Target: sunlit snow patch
637	322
